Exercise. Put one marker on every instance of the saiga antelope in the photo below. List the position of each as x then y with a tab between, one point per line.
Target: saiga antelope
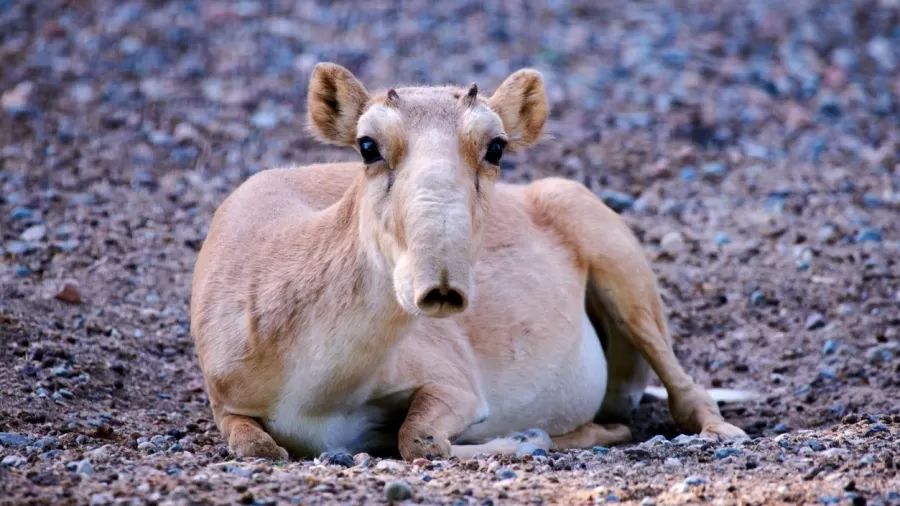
411	302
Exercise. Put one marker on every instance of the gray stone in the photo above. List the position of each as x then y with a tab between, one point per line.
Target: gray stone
148	447
815	446
722	453
398	490
656	440
672	462
505	473
617	201
814	321
694	481
47	443
34	233
84	467
881	50
13	439
13	461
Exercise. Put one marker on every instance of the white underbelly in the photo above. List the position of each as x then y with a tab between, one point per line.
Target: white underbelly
313	435
557	395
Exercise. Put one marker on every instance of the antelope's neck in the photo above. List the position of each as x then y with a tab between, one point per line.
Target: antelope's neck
351	320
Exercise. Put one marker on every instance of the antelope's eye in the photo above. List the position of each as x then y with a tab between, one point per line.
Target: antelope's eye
495	151
368	149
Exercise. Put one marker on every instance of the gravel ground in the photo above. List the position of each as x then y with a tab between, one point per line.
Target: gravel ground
752	145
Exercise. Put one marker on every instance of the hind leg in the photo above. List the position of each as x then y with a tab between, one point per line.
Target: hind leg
691	406
628	372
627	291
592	434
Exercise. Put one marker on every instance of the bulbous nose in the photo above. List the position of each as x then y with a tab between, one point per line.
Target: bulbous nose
442	299
440	234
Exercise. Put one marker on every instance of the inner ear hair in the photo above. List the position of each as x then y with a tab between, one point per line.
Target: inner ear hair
335	101
521	102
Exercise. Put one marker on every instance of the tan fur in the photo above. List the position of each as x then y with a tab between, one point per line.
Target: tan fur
311	308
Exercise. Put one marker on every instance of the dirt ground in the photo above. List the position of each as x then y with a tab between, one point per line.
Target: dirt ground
752	145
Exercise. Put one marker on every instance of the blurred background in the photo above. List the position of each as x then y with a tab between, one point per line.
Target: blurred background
752	145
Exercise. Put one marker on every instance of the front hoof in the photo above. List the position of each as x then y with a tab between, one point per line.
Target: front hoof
260	449
725	432
423	444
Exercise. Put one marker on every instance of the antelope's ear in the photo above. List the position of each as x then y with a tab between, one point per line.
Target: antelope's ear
335	102
521	102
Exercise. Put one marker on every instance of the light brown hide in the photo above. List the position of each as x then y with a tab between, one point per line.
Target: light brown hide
307	308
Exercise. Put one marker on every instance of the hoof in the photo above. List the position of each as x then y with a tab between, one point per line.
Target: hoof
260	449
423	443
724	432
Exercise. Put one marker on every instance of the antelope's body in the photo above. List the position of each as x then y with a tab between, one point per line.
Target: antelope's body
412	302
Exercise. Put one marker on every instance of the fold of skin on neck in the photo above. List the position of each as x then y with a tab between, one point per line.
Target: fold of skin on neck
343	309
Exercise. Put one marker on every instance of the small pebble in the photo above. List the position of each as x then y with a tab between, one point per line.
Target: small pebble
714	170
47	443
388	465
656	440
814	321
722	453
721	238
34	233
694	481
244	472
13	461
69	293
13	439
398	490
877	429
830	347
758	298
365	460
21	213
878	355
148	447
672	243
264	120
505	473
84	467
672	462
617	201
869	235
781	429
815	446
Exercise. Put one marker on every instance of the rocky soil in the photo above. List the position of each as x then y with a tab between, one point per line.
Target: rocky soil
752	145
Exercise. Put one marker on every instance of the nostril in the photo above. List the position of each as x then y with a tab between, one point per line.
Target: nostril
437	298
454	299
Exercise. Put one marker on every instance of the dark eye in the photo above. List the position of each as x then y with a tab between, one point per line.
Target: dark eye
495	151
369	150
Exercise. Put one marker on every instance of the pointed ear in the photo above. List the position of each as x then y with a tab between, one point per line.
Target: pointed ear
521	103
335	102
